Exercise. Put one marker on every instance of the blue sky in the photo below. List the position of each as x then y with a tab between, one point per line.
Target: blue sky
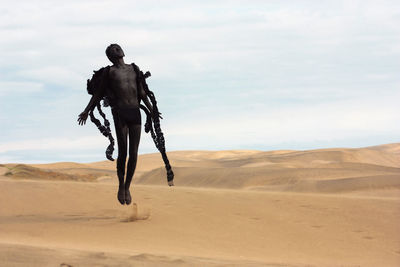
227	74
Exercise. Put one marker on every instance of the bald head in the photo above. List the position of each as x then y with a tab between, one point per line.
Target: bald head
114	52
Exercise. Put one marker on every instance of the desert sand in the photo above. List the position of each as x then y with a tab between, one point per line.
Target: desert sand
326	207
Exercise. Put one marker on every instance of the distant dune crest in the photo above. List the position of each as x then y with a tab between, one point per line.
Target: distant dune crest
323	170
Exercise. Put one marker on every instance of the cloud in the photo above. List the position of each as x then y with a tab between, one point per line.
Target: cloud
15	87
54	75
86	142
224	72
323	122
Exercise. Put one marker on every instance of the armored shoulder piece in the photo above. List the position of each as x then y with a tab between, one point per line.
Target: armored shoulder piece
94	84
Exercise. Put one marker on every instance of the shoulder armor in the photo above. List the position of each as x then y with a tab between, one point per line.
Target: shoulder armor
94	83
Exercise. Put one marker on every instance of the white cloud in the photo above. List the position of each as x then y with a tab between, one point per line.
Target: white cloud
81	143
276	71
301	123
19	87
54	75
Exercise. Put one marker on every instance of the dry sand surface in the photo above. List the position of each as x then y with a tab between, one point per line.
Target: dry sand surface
329	207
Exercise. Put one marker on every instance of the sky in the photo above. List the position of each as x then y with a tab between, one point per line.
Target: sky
262	75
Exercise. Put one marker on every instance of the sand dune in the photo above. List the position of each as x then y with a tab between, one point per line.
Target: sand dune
325	207
303	180
81	224
252	169
303	171
22	171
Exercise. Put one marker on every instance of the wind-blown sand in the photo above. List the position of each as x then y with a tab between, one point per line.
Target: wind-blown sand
330	207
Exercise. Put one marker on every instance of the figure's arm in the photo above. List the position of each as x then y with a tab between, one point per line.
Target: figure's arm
92	104
143	96
94	100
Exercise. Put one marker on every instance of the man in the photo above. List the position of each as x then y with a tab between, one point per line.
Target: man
120	85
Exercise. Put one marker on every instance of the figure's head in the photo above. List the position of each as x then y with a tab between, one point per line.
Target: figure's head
114	52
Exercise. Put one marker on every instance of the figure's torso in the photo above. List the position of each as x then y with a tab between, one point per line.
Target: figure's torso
122	81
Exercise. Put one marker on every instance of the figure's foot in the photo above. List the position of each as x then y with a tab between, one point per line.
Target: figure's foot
170	177
121	195
128	198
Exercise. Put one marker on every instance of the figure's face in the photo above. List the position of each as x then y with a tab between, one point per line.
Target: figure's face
116	52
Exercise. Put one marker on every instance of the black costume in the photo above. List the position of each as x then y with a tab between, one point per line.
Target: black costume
126	116
127	119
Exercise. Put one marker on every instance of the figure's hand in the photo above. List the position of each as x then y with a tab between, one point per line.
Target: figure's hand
82	118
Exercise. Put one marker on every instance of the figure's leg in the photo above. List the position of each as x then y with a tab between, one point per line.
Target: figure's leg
121	130
134	139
